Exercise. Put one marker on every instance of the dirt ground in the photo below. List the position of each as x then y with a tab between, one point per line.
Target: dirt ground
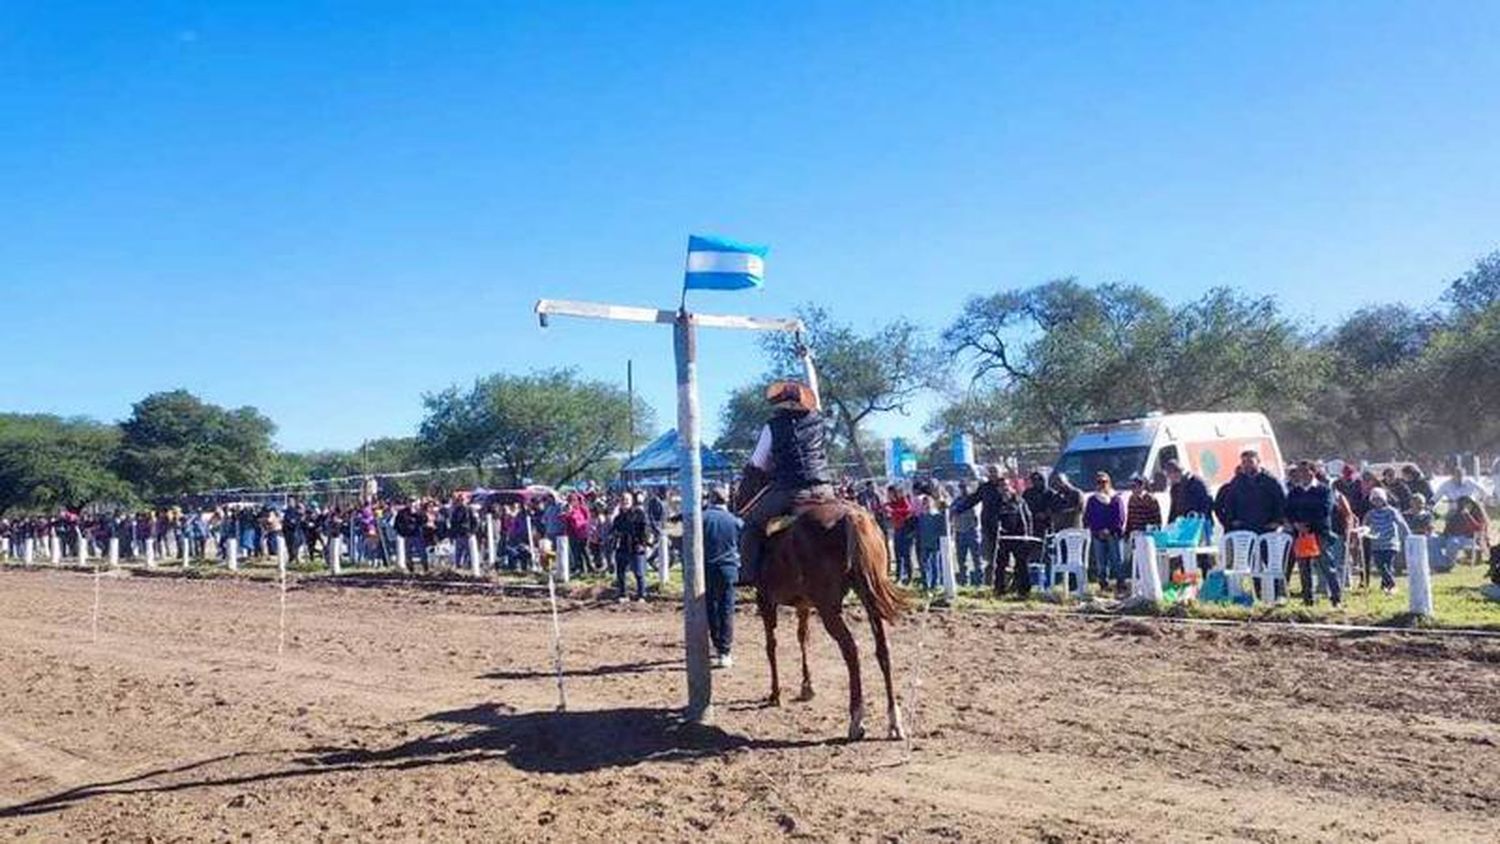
401	714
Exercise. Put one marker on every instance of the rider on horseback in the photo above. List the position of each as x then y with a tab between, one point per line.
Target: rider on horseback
791	451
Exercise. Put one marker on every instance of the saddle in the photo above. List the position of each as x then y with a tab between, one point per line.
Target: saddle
825	511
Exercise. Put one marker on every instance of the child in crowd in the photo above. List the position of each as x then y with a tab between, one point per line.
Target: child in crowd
1387	530
932	526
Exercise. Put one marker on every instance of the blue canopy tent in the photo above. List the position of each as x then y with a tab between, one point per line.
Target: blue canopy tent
657	463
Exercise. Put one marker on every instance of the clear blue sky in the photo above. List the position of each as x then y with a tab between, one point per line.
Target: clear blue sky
326	209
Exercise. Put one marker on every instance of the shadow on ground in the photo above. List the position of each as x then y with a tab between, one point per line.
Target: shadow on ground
541	742
644	667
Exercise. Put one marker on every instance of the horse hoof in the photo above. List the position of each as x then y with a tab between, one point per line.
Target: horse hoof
805	695
897	733
773	700
856	732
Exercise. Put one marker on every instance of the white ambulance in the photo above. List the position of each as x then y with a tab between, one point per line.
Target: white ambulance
1206	444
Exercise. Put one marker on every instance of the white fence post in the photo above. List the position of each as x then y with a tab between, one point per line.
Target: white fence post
335	549
54	546
489	540
474	567
281	552
1147	576
184	550
83	550
401	554
564	558
1419	575
28	551
114	552
946	561
232	553
150	553
664	557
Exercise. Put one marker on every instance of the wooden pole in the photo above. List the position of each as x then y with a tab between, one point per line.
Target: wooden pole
690	469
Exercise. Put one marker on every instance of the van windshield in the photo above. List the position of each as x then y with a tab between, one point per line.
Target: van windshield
1119	463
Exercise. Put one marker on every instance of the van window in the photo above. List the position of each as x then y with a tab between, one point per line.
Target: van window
1119	463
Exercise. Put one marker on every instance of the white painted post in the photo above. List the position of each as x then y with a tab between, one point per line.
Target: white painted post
281	552
83	550
150	553
54	547
28	551
335	549
1147	577
489	540
945	557
474	567
232	553
184	546
1419	575
401	554
114	552
564	558
664	555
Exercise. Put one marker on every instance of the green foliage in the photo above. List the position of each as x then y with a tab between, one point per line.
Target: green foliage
1051	356
47	463
550	426
741	418
176	444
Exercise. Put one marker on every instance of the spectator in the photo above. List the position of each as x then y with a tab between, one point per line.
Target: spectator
1064	503
629	536
967	544
721	559
1349	486
460	528
1309	508
1419	516
1457	487
1104	518
1005	524
1465	530
1417	482
1188	496
1254	500
904	529
1398	494
1039	504
1142	510
1387	531
932	526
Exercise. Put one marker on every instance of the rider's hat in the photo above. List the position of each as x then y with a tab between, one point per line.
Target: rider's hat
791	395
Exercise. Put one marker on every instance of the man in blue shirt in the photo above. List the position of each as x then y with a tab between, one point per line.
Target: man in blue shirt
721	566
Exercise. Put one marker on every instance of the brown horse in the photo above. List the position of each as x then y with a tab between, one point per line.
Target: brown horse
811	564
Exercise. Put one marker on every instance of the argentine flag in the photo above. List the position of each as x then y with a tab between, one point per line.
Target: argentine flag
714	263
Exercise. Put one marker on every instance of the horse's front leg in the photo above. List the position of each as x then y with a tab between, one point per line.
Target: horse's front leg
768	616
803	611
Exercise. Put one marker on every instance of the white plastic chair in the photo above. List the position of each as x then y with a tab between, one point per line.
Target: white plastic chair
1275	561
1072	558
1237	556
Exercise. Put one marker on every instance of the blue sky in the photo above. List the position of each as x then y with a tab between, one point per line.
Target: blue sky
326	209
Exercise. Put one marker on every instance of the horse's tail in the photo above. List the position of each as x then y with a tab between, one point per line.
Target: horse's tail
864	543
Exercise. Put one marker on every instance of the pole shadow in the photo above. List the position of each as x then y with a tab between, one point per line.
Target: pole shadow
535	742
643	667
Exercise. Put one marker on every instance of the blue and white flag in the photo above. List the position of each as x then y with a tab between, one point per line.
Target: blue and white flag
714	263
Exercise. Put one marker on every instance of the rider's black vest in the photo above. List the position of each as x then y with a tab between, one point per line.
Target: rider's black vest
798	458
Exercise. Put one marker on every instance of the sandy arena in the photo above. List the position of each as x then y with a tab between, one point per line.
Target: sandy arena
401	714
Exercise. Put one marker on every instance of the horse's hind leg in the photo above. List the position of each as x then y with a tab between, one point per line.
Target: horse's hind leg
833	621
803	611
883	656
768	615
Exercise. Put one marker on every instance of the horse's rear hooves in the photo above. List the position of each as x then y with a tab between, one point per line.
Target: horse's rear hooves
805	695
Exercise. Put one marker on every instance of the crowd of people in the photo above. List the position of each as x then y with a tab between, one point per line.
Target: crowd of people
999	526
1006	523
604	532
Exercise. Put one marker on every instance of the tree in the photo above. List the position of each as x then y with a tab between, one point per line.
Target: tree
1476	290
47	463
1373	387
858	374
549	426
992	417
176	444
1062	353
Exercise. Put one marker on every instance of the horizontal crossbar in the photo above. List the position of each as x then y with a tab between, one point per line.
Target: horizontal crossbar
630	313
